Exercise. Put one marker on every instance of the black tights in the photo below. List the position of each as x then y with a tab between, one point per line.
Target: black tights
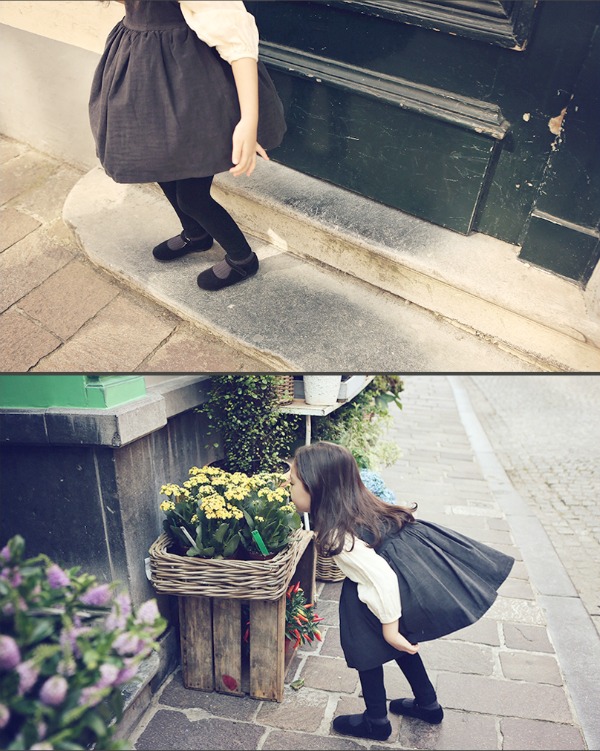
373	687
199	213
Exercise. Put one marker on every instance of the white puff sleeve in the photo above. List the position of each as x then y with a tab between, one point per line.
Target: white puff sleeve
377	581
224	24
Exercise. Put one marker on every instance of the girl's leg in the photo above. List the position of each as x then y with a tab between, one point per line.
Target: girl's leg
190	226
374	722
194	199
425	705
194	237
373	689
414	671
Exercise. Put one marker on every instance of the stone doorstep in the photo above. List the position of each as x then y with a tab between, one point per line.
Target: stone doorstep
476	282
137	695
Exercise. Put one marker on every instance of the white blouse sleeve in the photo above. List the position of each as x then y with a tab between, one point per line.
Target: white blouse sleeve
377	581
224	24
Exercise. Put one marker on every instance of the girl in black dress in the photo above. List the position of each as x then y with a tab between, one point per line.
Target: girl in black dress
407	581
178	96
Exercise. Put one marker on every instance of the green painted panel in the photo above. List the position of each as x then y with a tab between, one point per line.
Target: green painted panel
331	136
561	249
77	391
530	88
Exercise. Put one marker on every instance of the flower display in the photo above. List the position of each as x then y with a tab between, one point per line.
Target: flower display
300	618
214	513
68	644
374	482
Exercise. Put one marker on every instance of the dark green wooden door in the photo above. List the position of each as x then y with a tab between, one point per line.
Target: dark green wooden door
440	108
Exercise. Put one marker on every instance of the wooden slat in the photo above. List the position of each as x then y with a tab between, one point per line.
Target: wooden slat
267	635
306	571
195	619
227	645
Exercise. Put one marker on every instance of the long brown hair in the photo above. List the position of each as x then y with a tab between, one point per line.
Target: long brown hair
340	503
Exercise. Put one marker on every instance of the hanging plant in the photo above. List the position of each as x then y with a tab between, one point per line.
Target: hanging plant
245	423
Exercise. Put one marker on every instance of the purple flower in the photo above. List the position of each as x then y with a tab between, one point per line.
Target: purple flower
126	644
10	656
57	578
117	619
98	596
91	696
4	716
5	553
28	675
54	691
147	612
108	675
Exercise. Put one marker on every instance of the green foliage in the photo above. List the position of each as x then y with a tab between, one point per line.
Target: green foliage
245	422
67	645
360	424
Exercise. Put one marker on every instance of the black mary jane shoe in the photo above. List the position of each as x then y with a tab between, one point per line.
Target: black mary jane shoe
360	726
209	280
410	708
162	252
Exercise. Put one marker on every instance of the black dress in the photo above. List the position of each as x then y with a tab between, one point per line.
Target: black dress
163	104
447	581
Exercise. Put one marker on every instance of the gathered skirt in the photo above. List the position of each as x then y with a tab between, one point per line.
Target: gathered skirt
163	104
447	581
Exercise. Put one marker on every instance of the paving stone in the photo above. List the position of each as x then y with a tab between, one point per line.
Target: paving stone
523	636
197	351
277	740
15	226
484	631
220	705
329	611
173	730
118	339
329	673
517	589
517	611
530	735
458	658
300	710
493	696
46	201
29	262
9	149
458	730
331	642
24	342
58	303
23	173
527	667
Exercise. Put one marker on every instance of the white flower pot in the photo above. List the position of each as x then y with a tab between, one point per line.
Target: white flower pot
321	389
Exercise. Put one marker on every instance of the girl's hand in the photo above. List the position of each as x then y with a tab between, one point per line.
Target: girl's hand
245	148
396	640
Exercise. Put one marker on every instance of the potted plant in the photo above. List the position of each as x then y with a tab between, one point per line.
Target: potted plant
301	620
68	646
321	389
218	514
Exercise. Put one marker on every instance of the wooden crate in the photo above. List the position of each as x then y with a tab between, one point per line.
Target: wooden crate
211	638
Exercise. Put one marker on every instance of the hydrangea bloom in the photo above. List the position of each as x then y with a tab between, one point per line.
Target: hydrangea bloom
374	482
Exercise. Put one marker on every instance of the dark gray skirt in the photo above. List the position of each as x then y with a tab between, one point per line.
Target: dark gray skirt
447	581
163	104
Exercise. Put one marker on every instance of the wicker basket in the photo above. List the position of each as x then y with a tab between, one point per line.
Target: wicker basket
328	570
173	574
285	389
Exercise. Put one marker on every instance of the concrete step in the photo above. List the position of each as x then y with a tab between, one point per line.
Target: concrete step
345	283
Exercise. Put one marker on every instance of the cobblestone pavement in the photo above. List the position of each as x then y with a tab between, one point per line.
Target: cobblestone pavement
59	312
500	680
546	432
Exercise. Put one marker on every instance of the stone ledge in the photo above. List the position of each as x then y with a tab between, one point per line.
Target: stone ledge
477	282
